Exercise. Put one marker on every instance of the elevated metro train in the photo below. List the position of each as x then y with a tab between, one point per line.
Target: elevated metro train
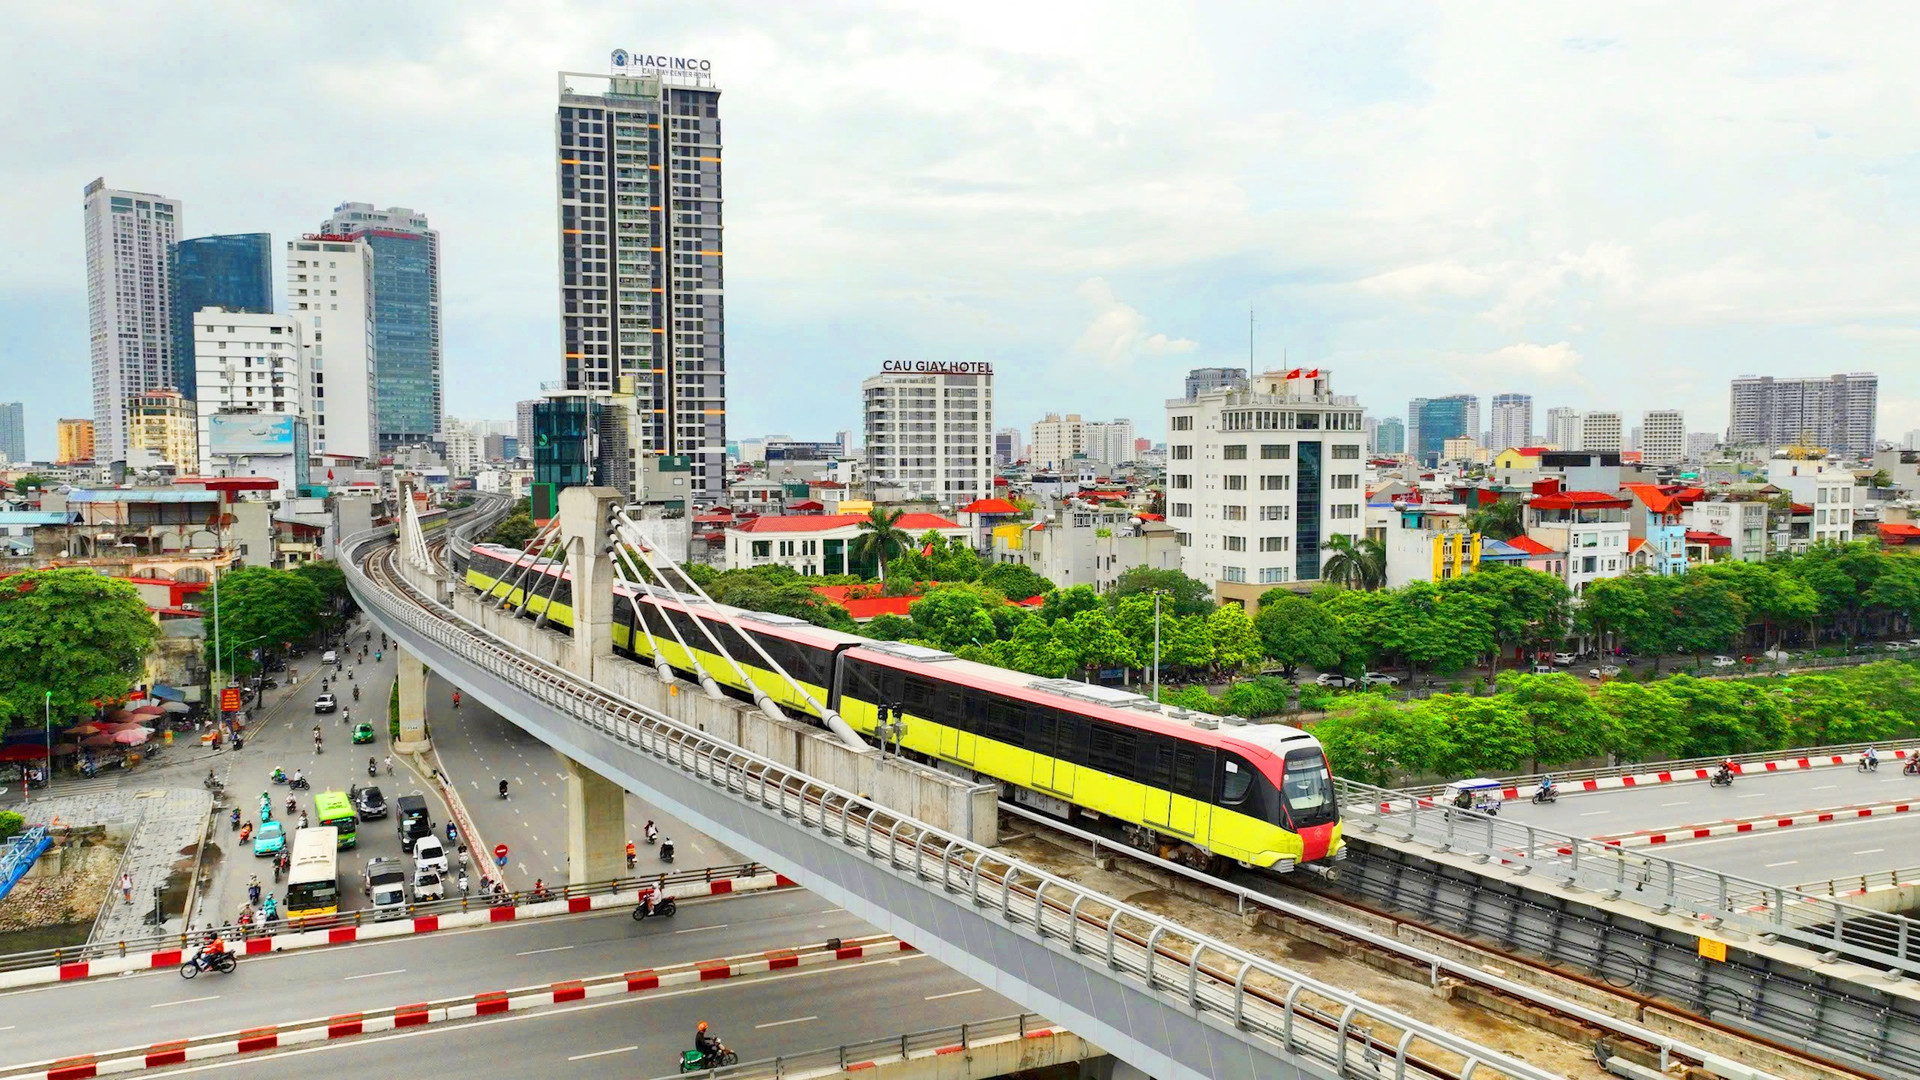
1260	795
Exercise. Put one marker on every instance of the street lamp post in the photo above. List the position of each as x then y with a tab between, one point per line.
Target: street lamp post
49	725
1156	645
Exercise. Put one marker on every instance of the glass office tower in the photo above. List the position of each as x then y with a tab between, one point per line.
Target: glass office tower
233	272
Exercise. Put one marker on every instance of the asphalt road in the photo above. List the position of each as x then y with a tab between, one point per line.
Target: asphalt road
1806	854
644	1034
477	748
134	1010
285	738
1695	802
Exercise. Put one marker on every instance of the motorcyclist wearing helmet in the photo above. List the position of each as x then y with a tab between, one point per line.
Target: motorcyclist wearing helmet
1546	784
705	1042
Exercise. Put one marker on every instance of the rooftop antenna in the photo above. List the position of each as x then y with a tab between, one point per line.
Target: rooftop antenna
1249	339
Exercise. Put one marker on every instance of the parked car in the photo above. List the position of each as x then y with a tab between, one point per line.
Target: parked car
1333	678
269	839
1381	678
325	703
1897	646
330	657
1564	659
370	803
1544	669
1604	671
1723	661
363	732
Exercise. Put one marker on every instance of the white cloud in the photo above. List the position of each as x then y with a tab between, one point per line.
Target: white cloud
1527	364
1116	336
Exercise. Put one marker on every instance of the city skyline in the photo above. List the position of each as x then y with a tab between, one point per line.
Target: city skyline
1578	306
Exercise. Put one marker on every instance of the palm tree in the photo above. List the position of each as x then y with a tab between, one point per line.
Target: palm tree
1355	564
881	538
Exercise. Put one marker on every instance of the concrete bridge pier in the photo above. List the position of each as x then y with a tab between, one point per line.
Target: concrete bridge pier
596	825
413	704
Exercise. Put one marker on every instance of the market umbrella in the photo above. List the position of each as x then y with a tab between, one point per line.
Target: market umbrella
132	736
61	749
97	741
149	710
177	707
84	729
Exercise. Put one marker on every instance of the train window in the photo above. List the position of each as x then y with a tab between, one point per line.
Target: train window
1042	723
1236	780
1307	788
1006	721
1193	771
1160	762
1111	750
919	695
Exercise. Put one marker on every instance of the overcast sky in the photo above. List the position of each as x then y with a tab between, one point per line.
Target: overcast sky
1613	208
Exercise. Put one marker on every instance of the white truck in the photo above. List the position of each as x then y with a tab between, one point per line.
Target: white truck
386	886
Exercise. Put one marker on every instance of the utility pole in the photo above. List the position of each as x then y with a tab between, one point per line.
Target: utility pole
1156	645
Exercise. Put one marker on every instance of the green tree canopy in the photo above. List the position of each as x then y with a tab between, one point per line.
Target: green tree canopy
881	538
1015	581
1236	643
952	617
1186	595
1354	563
1500	520
330	580
513	531
1525	609
263	608
1295	631
1567	725
21	484
74	634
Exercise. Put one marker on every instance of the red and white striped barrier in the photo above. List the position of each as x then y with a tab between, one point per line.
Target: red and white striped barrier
478	915
1650	837
1663	776
487	1003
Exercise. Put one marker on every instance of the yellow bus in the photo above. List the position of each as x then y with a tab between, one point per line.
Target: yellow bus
313	881
332	809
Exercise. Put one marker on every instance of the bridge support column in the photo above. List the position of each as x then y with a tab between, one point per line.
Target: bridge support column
583	536
1107	1067
596	825
413	705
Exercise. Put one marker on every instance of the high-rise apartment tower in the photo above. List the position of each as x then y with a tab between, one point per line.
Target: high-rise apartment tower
234	273
1511	422
409	364
129	304
1836	412
641	282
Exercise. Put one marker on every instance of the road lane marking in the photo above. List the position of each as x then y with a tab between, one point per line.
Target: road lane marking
698	929
1754	795
1666	804
1595	813
537	952
603	1053
374	974
165	1004
1789	862
783	1023
955	994
1871	851
1826	787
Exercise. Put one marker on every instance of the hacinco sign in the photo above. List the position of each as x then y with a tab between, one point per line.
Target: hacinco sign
632	63
936	367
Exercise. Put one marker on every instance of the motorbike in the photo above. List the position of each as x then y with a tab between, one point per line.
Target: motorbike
1546	795
503	789
373	767
1869	765
1723	778
663	907
302	784
280	778
356	693
223	962
631	859
233	819
666	851
1912	767
292	805
695	1061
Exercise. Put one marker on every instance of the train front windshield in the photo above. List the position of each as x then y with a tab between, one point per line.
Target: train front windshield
1307	788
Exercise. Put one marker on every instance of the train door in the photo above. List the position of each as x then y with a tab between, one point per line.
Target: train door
1165	807
956	745
1051	772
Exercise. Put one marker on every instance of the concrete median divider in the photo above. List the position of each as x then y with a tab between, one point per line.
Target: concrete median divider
476	913
418	1014
1706	830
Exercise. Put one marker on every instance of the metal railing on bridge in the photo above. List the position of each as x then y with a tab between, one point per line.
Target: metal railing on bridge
872	1053
1288	1014
1888	942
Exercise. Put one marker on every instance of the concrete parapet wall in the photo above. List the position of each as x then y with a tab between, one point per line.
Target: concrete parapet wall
929	795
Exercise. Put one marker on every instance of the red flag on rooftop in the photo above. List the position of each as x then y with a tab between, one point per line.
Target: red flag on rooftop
1294	374
1314	374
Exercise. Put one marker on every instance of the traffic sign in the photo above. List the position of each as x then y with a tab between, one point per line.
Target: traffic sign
230	699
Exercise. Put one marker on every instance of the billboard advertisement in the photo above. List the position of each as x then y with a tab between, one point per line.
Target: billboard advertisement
250	433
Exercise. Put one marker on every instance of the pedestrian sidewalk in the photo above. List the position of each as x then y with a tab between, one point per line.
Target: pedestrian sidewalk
169	824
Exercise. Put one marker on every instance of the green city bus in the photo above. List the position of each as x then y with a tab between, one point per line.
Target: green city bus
333	810
313	884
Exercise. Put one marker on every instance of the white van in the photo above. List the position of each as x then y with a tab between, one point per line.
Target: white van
330	657
427	884
429	854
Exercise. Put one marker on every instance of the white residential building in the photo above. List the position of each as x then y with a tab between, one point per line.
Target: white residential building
1600	432
251	375
1512	422
129	297
1008	446
1057	440
1700	445
1743	524
929	429
819	543
1828	489
1087	544
1663	437
1563	428
1259	479
1592	527
1109	442
330	292
463	447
